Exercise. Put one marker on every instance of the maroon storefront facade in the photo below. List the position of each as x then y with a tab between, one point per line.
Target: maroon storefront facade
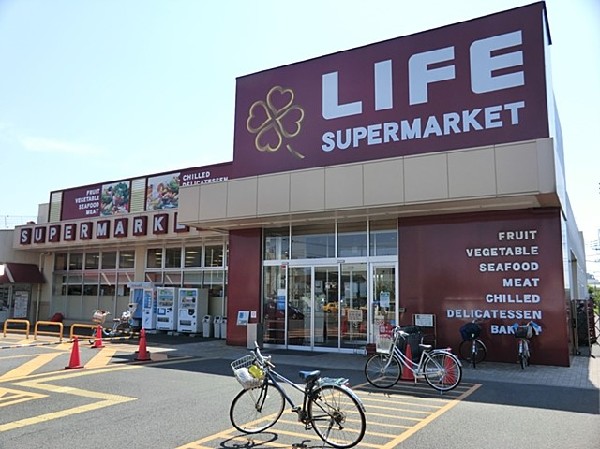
450	135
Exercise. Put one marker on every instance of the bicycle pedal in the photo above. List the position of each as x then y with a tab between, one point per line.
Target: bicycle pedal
296	409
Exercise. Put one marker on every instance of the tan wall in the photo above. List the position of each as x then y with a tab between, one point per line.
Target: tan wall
483	174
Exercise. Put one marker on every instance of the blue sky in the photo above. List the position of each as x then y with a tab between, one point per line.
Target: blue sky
100	90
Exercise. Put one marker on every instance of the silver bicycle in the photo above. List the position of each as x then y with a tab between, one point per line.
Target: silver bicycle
439	367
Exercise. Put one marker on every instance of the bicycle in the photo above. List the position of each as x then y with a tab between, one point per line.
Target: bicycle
122	326
439	367
329	406
523	334
472	349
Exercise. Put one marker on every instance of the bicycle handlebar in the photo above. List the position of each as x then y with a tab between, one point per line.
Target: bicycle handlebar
262	359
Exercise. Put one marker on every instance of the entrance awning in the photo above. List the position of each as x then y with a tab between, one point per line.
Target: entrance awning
21	273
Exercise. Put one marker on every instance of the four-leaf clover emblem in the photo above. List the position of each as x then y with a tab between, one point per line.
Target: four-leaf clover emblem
275	120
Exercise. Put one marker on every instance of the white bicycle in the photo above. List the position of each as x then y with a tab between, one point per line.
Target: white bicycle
439	367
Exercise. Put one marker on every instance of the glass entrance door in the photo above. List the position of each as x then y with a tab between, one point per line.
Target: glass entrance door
314	307
353	316
383	308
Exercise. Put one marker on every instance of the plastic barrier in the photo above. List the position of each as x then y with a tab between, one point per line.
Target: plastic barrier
18	329
58	332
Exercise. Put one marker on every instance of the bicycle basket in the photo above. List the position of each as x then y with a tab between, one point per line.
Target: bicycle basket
383	343
247	373
524	332
470	331
99	317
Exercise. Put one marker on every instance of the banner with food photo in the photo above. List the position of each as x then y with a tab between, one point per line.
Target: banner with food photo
162	192
115	198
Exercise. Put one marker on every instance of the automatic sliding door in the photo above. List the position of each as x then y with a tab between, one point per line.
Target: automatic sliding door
299	306
354	289
327	308
383	301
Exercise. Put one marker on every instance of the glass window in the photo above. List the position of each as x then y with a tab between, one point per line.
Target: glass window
123	281
109	260
126	259
75	261
383	238
193	278
90	284
213	256
193	257
154	258
172	279
107	284
74	287
313	241
352	239
173	258
155	278
92	261
59	286
277	243
60	261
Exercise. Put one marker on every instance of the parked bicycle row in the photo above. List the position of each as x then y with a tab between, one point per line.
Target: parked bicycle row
472	349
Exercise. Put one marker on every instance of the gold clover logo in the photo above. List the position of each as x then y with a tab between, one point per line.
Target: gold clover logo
275	120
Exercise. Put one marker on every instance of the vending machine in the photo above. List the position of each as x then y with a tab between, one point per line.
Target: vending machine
166	309
193	306
149	309
136	295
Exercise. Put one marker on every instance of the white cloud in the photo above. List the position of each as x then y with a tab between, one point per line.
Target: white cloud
45	145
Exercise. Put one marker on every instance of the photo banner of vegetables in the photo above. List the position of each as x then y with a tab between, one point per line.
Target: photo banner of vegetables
162	192
115	198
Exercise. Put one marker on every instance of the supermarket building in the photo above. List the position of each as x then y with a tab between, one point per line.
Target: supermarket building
418	180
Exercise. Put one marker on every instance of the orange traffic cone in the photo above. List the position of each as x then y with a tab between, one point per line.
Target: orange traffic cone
98	339
407	373
449	371
74	362
142	354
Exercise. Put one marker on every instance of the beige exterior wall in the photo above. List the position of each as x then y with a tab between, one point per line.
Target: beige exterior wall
500	176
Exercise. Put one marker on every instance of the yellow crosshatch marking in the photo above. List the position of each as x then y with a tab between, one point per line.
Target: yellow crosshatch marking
394	416
30	366
103	399
11	397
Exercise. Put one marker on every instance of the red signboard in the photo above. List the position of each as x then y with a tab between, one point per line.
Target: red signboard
465	85
499	269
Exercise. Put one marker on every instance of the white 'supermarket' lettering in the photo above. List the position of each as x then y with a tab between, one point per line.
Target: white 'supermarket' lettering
450	123
496	63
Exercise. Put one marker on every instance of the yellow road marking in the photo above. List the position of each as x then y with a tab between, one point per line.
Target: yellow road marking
106	400
30	366
9	396
404	435
101	359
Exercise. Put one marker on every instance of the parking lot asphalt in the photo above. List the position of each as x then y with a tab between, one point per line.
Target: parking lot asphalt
584	371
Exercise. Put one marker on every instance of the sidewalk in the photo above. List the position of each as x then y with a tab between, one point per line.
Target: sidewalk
584	371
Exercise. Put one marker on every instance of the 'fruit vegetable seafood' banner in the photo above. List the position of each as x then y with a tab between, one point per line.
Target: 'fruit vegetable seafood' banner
96	200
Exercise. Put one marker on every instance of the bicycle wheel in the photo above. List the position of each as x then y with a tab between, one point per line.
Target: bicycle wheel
472	351
336	416
378	374
442	371
256	409
479	352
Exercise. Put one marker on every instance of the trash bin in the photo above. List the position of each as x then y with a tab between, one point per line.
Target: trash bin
218	326
223	326
254	334
207	326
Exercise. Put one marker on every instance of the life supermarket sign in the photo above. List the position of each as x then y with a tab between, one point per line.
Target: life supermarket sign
475	83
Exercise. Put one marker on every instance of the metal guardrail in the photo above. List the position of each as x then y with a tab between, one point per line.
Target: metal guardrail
58	333
75	326
18	329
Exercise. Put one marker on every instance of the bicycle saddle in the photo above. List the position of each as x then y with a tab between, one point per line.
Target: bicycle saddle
309	376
